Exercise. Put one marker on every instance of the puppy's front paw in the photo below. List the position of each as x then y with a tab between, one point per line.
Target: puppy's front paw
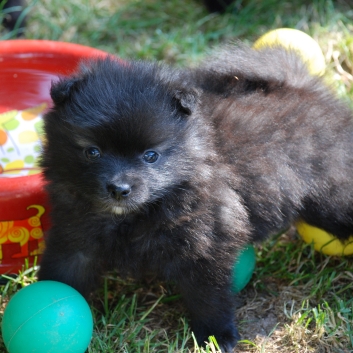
226	335
228	340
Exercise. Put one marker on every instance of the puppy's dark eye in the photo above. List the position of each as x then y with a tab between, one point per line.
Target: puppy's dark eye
92	153
150	156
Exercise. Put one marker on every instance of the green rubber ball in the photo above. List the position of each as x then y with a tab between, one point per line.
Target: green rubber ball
47	317
243	268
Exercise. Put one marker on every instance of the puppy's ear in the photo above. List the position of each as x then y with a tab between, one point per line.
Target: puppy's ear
62	89
186	100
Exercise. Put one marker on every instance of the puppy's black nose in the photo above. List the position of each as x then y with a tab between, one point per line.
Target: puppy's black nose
119	191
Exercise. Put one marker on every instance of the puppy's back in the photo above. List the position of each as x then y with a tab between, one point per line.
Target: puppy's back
285	134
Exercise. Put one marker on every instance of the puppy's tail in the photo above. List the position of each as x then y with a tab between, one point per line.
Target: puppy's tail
274	64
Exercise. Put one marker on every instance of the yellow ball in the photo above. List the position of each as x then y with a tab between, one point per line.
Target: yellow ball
296	40
323	241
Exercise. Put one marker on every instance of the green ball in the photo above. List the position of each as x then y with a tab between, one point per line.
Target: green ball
47	317
243	268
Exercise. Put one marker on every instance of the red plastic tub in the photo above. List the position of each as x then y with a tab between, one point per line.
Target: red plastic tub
27	68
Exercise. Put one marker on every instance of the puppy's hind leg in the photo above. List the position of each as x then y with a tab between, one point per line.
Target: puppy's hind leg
331	217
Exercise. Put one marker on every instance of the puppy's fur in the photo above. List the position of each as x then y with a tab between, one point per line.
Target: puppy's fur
155	169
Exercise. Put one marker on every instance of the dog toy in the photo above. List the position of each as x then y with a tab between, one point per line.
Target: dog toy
243	268
296	40
323	241
311	53
46	317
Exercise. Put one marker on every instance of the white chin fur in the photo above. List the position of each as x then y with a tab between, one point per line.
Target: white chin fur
119	210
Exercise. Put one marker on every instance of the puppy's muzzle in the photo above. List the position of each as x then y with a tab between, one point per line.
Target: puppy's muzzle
119	192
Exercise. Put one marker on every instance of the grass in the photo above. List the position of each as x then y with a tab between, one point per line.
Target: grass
308	293
298	300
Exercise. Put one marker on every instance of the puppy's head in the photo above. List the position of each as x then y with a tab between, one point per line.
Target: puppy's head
120	135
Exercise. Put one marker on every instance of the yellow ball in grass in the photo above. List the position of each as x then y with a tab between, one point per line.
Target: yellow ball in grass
323	241
296	40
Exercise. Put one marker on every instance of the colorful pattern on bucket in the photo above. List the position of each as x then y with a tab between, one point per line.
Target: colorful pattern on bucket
21	139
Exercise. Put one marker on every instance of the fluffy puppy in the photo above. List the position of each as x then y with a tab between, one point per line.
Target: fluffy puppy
149	168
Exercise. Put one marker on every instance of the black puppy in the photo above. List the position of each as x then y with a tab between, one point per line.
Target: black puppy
173	171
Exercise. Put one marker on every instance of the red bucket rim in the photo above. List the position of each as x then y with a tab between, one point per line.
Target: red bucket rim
47	47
